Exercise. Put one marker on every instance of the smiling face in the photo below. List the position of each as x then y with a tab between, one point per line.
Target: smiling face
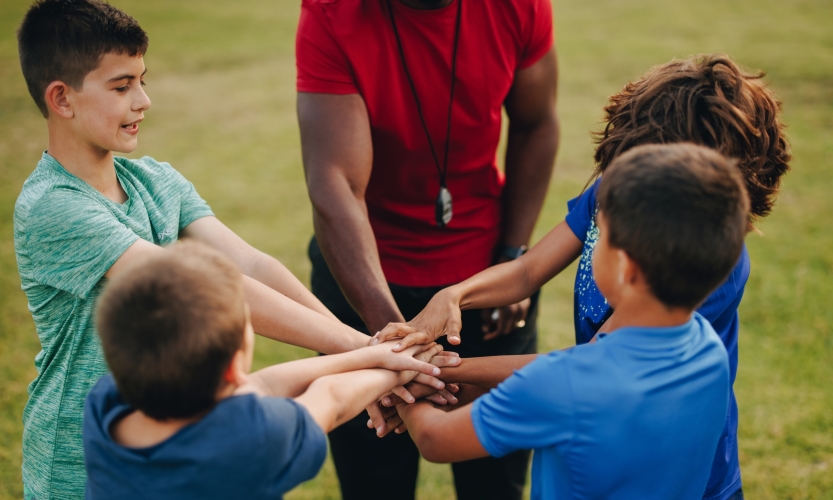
108	107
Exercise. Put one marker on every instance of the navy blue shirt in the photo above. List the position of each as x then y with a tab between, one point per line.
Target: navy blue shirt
636	415
591	310
246	447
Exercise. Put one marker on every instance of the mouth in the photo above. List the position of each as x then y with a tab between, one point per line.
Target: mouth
132	127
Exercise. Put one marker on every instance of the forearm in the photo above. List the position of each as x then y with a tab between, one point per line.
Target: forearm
346	239
272	273
486	372
294	377
530	160
277	317
335	399
442	437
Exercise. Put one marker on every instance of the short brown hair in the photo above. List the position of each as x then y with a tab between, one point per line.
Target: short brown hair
170	326
66	39
705	100
680	211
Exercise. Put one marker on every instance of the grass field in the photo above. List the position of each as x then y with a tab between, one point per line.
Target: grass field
221	76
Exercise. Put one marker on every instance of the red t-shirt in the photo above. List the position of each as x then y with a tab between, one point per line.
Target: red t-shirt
348	47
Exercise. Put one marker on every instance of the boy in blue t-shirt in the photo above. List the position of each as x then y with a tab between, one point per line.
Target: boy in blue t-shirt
707	100
638	413
181	417
84	215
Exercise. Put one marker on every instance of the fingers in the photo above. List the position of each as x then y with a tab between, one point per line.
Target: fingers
391	400
377	419
403	394
437	398
392	331
451	398
506	319
412	339
429	381
402	428
445	361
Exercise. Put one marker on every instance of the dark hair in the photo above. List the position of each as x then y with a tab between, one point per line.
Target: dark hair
170	326
706	100
66	39
680	212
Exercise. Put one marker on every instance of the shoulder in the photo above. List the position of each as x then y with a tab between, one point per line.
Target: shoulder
146	168
711	344
102	402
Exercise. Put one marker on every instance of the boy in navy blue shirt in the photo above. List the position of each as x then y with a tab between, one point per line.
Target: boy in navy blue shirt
638	413
181	418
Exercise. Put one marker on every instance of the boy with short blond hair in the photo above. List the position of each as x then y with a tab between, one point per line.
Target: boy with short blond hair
84	215
181	417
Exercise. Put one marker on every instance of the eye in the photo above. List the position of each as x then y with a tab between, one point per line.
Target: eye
143	83
122	89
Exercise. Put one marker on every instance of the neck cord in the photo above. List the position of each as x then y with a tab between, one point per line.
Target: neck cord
441	171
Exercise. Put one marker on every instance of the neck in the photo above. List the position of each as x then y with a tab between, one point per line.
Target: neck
645	312
426	4
138	430
90	164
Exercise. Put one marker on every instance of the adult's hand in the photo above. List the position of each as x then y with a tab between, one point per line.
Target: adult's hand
504	320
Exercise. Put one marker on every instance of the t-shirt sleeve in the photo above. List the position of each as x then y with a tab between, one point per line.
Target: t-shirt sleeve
322	65
73	240
531	409
581	211
540	36
191	204
297	439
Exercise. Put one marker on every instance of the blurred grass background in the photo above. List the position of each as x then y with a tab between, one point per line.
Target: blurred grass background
221	77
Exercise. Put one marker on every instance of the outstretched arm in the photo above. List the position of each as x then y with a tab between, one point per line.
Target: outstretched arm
334	399
486	372
274	315
442	437
496	286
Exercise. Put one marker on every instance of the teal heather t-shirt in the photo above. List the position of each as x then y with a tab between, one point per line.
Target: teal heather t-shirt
66	237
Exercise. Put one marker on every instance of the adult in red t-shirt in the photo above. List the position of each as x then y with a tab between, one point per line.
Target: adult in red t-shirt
378	120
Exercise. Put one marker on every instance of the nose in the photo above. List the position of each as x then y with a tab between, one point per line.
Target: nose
142	102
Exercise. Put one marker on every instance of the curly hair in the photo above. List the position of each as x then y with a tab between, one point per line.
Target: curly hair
707	100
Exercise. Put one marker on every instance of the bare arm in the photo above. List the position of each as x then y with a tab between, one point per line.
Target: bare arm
254	263
334	399
496	286
337	152
486	372
291	379
273	314
442	437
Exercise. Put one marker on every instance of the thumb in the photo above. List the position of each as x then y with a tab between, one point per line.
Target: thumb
452	331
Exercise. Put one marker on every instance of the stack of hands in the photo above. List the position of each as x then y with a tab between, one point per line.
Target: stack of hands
415	341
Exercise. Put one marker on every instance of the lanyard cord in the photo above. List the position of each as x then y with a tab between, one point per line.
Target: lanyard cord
444	169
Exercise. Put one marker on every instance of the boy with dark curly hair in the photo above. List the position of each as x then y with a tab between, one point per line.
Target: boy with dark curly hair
707	100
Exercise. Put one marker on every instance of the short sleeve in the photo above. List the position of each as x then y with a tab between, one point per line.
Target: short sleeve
540	36
296	439
531	409
73	240
581	211
322	65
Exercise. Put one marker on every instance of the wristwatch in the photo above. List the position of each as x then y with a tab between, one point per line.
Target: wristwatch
512	253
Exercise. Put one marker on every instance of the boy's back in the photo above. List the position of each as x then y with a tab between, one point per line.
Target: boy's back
246	447
600	416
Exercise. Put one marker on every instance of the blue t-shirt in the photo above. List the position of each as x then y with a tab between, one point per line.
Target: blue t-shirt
246	447
636	415
591	310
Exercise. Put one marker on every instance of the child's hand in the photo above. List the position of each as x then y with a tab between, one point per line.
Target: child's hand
413	360
440	317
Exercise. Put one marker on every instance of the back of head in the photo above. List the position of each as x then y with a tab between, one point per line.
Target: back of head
169	327
706	100
680	211
64	40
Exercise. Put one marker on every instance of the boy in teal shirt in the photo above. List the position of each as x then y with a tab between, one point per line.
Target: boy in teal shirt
84	215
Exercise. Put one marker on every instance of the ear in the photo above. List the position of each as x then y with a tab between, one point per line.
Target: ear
628	272
56	99
235	375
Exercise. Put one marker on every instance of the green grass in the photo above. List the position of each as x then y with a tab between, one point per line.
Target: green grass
221	76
